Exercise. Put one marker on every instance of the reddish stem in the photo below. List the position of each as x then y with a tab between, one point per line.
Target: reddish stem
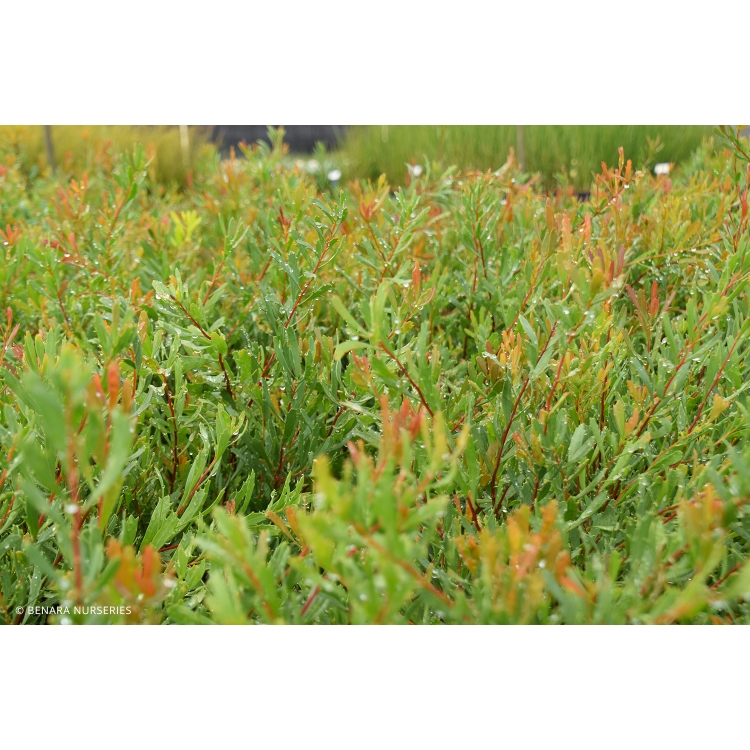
315	271
493	491
408	377
713	385
197	485
310	600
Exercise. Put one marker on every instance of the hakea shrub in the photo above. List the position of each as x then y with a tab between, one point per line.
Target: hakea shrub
465	401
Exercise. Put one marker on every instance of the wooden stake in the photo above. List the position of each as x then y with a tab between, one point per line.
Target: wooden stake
48	145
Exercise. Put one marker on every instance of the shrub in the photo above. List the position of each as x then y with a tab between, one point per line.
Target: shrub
465	401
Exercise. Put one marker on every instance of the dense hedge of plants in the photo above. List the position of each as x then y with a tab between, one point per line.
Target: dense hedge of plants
465	401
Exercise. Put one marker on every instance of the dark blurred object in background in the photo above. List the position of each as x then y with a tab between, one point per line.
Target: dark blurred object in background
301	138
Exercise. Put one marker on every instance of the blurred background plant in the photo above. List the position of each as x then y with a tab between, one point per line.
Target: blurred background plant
561	154
77	148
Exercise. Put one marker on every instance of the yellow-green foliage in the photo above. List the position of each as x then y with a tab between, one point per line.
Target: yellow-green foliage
80	147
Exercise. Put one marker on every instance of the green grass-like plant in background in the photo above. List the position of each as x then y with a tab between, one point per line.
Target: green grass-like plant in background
561	154
467	400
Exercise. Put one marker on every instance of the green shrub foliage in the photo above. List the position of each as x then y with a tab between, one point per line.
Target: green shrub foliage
465	401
